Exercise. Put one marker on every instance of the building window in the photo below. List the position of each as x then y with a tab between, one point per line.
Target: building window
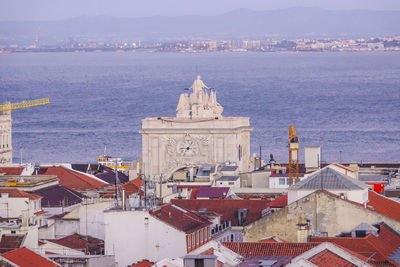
197	238
281	181
193	241
198	262
240	152
201	236
232	238
189	241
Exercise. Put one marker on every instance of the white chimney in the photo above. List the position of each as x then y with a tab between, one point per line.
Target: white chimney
25	218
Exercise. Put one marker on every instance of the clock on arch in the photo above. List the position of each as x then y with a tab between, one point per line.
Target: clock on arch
188	146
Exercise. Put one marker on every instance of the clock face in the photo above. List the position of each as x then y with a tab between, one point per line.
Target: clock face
188	147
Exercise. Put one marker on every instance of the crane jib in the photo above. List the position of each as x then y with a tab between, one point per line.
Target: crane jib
24	104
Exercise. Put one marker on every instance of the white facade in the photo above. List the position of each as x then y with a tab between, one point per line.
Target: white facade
17	207
135	235
281	182
344	170
84	220
198	134
49	246
312	157
5	137
227	183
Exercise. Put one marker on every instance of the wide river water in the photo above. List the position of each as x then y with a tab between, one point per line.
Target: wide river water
348	102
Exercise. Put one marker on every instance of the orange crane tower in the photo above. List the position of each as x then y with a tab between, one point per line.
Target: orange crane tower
293	155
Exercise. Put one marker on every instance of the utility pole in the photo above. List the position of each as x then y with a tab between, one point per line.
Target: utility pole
115	184
161	190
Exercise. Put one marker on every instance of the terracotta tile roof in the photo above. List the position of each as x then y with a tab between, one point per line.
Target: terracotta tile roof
279	202
10	241
72	179
11	170
228	208
328	258
193	192
19	193
179	218
59	196
384	205
250	249
212	192
143	263
88	244
40	212
377	203
382	248
272	239
209	251
130	187
25	257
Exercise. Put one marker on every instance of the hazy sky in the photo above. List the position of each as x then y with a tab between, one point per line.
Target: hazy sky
60	9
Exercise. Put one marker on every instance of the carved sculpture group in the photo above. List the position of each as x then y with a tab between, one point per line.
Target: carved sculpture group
199	104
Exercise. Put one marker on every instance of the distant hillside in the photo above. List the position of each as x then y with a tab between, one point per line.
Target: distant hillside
241	23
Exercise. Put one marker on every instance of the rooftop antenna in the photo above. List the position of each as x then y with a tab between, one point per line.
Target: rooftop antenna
117	182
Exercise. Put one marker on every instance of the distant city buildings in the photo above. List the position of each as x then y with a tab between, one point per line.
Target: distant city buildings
266	45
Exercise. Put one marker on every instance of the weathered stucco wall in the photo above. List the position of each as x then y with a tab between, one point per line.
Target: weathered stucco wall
327	214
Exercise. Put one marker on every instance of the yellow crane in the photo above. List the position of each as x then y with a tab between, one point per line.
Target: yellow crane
293	155
24	104
6	124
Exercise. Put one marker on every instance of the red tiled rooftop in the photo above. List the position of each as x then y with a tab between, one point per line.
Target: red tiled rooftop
25	257
279	202
130	187
378	248
143	263
72	179
88	244
358	245
185	221
379	204
11	170
272	239
249	249
384	205
328	258
12	192
10	242
228	208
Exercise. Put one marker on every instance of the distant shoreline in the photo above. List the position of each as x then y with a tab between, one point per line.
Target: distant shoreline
190	52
